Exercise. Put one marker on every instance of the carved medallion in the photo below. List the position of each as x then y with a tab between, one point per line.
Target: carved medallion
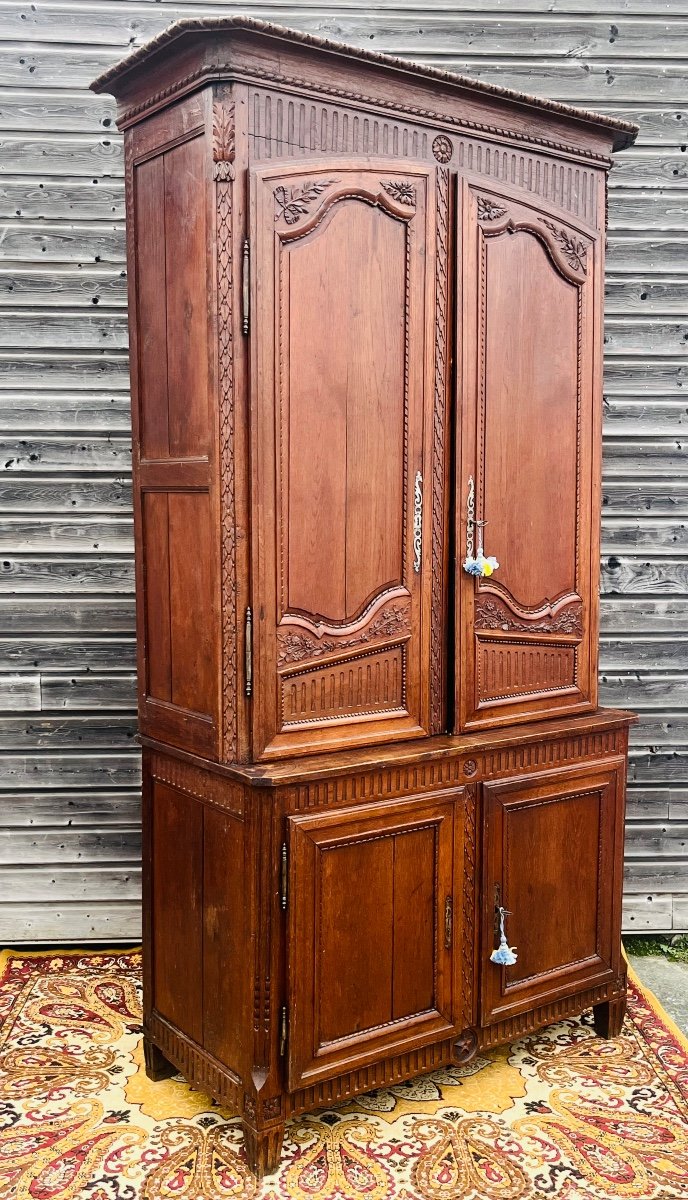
402	192
442	148
492	614
294	647
575	252
295	202
489	210
470	767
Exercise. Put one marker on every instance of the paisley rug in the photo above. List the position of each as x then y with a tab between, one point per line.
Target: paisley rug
560	1113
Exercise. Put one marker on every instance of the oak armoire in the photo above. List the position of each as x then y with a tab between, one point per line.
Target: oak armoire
383	813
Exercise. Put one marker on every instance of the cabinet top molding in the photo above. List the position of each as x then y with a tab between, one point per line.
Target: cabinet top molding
205	48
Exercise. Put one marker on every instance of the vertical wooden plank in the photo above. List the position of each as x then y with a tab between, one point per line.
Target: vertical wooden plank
156	552
177	874
151	313
355	915
187	299
225	992
414	922
193	635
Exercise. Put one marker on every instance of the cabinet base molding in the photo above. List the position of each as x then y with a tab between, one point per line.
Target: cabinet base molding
548	1014
194	1063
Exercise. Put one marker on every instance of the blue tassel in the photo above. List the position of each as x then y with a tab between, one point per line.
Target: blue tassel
505	955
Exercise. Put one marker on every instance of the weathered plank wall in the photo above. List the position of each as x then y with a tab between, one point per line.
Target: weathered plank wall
69	837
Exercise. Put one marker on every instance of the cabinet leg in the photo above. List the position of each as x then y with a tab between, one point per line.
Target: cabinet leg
263	1148
157	1066
609	1017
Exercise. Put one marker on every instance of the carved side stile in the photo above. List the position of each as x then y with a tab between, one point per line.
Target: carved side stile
223	173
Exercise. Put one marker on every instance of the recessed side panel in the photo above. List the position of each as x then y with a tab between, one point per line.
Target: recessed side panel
176	902
181	651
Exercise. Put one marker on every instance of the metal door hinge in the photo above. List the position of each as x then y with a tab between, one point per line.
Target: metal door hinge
283	877
245	285
448	923
283	1031
248	652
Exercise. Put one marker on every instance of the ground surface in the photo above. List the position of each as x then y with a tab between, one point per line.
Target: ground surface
669	982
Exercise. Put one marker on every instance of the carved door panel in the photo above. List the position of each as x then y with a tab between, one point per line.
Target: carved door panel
345	529
553	857
371	932
530	376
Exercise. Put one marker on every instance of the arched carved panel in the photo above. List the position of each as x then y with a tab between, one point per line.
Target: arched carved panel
344	267
529	377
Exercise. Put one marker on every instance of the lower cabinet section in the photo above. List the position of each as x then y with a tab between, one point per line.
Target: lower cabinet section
553	861
309	936
371	931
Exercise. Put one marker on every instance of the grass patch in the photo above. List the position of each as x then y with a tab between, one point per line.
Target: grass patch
673	948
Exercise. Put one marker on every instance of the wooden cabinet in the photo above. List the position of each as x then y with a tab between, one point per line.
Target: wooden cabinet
366	343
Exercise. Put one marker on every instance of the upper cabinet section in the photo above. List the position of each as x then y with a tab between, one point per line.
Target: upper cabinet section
342	438
530	296
365	305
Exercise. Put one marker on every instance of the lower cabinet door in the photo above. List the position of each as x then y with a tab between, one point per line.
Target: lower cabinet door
553	858
371	932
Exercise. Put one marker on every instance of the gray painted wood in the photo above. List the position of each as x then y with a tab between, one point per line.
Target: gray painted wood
69	833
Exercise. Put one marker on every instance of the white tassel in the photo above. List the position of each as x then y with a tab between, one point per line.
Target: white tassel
505	955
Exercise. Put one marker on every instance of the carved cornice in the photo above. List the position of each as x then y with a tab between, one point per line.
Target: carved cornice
293	203
224	24
392	622
490	613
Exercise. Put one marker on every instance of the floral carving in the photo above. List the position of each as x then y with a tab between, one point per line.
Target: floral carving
223	142
294	647
490	614
442	148
575	252
401	191
489	210
295	202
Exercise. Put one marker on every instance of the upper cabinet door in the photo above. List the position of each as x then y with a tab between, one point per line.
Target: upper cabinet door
530	376
344	525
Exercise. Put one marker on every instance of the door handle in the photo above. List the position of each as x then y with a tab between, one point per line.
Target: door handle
475	563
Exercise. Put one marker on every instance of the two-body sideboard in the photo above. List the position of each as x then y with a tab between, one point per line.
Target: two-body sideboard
383	814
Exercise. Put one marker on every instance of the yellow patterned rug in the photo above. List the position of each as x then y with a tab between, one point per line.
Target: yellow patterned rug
560	1113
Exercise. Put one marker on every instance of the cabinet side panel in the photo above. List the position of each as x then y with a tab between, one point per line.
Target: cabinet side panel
177	874
225	940
169	162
